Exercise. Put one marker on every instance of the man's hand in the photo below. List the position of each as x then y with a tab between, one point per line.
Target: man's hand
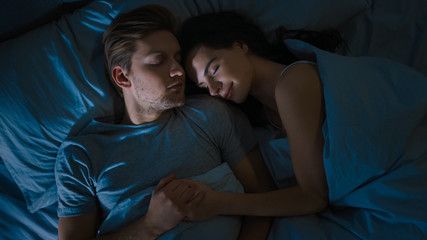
170	202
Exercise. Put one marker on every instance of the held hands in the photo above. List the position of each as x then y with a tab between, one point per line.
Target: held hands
207	208
172	199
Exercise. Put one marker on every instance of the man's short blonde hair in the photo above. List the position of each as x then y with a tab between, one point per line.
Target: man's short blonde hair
120	37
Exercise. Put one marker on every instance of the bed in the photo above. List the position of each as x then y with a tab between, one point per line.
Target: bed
53	83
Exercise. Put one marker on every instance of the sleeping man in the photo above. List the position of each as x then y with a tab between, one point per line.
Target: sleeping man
125	179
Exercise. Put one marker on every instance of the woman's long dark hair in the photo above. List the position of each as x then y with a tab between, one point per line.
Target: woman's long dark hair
221	29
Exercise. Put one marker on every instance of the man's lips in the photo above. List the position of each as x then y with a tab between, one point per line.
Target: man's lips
176	85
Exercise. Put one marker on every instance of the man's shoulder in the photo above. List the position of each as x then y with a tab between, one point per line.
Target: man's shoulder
203	108
203	100
211	109
87	136
85	130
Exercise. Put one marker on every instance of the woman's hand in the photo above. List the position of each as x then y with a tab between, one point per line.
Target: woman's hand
171	201
207	208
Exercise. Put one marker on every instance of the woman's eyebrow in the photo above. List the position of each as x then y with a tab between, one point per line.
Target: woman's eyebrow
208	65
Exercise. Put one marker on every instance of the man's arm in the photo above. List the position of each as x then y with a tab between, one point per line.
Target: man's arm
85	227
78	227
170	201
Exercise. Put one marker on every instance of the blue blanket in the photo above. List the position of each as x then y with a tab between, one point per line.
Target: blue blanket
375	153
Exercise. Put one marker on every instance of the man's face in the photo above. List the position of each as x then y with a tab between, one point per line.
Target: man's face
156	74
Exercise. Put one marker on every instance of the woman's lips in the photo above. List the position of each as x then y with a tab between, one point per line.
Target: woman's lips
230	92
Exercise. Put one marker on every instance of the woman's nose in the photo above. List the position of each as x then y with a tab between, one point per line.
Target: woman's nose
214	87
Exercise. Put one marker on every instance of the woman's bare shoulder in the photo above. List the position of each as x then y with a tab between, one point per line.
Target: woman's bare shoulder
298	76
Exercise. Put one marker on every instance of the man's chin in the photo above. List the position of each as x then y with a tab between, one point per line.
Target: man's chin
181	103
178	101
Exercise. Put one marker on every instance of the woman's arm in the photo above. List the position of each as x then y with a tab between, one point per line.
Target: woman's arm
290	201
255	178
299	99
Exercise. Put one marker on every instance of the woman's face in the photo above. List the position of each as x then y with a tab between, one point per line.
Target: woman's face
226	73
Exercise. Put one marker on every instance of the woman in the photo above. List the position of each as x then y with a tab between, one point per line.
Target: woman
232	58
357	131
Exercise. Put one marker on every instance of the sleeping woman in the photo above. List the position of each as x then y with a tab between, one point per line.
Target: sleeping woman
233	59
322	105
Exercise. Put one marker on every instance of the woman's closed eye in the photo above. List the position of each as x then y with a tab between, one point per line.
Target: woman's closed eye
202	85
214	70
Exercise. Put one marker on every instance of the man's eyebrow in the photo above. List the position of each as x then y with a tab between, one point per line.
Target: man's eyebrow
177	53
208	65
155	52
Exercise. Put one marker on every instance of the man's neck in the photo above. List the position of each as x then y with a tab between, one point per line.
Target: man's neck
142	116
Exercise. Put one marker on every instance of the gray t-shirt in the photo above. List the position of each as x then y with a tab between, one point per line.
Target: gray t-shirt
107	164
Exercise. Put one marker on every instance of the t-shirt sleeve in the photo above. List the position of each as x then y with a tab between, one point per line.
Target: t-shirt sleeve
74	181
233	131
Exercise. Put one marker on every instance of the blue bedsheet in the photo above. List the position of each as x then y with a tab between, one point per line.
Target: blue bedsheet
16	221
375	152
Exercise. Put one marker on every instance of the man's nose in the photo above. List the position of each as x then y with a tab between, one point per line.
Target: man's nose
176	69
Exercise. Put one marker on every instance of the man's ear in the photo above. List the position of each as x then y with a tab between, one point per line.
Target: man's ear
120	77
241	45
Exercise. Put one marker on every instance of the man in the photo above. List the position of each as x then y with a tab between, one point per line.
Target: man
126	180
